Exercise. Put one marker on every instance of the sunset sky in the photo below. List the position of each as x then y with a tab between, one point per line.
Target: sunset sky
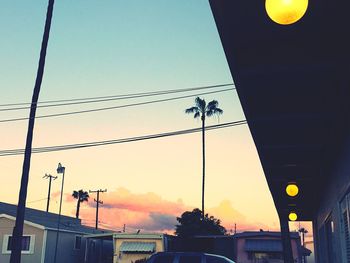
102	48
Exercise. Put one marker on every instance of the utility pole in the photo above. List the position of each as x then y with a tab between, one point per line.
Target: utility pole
97	202
17	233
50	177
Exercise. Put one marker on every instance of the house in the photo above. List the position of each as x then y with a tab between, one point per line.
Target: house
39	236
245	247
265	246
293	85
123	247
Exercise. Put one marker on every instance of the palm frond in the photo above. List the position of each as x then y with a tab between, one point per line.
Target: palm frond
200	103
75	194
196	115
212	105
214	111
192	110
218	111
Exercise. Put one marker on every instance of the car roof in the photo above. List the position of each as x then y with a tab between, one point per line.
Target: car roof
189	253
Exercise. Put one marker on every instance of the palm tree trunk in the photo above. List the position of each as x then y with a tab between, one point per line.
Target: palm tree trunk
17	234
203	152
78	209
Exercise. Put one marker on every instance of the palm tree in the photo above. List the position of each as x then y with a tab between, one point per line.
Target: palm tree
82	196
203	110
18	229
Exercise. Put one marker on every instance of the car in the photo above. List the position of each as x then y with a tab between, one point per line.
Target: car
187	257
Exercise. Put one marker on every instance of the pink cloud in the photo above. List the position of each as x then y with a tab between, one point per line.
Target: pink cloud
55	195
152	213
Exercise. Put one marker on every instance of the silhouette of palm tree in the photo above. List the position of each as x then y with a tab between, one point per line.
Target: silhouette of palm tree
18	229
203	110
81	197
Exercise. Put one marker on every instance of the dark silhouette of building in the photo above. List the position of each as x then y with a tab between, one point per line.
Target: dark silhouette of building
294	86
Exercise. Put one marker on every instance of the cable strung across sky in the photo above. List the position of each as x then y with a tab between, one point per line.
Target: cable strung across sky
57	103
117	141
113	107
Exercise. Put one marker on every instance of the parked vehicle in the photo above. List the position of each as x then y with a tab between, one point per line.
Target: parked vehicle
187	257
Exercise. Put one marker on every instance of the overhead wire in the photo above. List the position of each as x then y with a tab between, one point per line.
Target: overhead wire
107	98
113	107
118	141
34	201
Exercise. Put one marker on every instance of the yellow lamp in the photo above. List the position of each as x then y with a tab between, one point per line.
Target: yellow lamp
293	216
292	190
286	12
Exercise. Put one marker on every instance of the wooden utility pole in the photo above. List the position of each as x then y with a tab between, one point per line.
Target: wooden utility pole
50	177
17	233
97	200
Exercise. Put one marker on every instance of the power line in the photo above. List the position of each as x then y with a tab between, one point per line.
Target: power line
107	98
117	141
34	201
113	107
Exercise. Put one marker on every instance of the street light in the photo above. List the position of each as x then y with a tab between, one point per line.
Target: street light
60	170
286	12
292	189
293	216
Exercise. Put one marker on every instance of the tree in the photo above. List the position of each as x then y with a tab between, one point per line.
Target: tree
81	197
192	223
18	229
203	110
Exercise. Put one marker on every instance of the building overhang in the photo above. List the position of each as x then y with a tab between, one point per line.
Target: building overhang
293	83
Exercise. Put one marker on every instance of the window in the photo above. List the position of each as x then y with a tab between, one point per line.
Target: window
27	244
77	243
190	259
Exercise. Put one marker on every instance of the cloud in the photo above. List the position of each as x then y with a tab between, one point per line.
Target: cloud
148	202
150	212
55	195
229	216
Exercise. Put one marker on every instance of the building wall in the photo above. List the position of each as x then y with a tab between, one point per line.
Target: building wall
65	248
6	228
329	239
242	255
120	257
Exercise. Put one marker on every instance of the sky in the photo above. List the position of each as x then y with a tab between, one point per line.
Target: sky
103	48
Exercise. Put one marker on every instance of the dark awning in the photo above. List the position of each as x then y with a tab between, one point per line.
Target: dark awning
263	245
293	84
133	247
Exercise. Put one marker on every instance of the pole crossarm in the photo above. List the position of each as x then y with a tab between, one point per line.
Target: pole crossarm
50	177
98	201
